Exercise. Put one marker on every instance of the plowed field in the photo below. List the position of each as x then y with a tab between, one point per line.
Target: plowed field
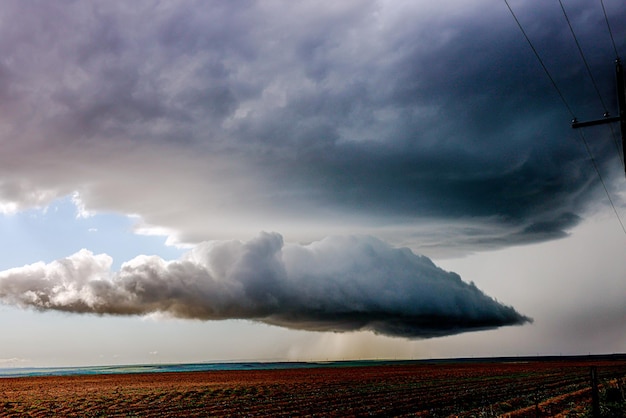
460	389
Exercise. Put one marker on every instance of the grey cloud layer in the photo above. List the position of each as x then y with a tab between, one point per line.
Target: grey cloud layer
338	284
299	117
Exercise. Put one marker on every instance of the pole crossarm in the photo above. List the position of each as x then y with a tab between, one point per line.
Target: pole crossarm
608	119
621	100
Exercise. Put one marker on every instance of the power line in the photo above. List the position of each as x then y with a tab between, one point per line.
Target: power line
540	61
606	190
593	81
582	136
606	19
608	26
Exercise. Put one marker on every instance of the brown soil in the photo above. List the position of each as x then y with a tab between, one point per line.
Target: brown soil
465	389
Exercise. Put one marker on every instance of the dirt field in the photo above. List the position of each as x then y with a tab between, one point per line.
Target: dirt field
465	389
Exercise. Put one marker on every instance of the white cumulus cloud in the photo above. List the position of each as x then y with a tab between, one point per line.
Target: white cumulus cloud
341	283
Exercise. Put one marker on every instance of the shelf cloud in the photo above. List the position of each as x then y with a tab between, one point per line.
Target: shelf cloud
427	126
337	284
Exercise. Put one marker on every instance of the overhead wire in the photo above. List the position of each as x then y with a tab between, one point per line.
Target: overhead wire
606	19
608	26
540	60
606	189
606	111
567	106
593	81
582	55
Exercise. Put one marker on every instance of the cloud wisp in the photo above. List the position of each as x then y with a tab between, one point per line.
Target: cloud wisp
337	284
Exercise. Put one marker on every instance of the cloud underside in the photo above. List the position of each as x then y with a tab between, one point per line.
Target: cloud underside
338	284
365	117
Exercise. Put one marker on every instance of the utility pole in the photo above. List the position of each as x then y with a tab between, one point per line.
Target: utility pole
595	396
621	100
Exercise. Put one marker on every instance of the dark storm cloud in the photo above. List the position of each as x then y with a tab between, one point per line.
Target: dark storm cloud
338	284
475	130
303	117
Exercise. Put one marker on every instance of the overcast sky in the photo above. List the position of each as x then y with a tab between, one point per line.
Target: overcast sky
197	181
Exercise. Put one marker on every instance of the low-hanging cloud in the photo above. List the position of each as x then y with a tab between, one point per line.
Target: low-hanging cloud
338	284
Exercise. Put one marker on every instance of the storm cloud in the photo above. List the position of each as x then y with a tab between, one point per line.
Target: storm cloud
338	284
428	125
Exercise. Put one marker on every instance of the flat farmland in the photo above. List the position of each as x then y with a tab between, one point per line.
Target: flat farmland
516	389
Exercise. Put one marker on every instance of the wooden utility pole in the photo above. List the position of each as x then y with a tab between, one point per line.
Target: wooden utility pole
595	396
621	101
